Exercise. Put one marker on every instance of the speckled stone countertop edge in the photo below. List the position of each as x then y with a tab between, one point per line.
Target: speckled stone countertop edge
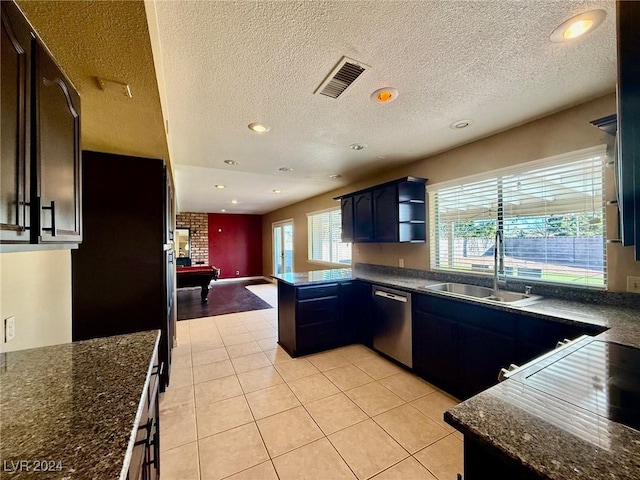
571	312
77	403
132	439
543	447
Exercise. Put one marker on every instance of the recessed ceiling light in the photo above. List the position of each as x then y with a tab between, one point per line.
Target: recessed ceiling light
234	202
578	25
231	162
460	124
220	186
277	191
384	95
259	127
334	176
285	169
357	146
223	210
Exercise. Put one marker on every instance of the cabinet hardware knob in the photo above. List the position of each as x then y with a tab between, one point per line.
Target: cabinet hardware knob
157	369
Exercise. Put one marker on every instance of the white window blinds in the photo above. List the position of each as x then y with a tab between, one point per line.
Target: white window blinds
325	245
551	213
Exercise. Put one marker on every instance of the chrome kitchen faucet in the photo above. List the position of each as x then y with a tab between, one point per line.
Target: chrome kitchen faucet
498	260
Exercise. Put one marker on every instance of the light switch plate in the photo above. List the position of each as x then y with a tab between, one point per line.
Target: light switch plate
9	328
633	284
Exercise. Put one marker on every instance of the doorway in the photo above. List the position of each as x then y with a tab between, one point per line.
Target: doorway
283	247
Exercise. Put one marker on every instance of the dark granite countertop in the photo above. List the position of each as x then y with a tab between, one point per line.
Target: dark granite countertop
548	437
74	406
618	313
300	279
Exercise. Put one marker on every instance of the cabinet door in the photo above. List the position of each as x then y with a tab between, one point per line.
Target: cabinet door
363	217
385	214
346	208
14	195
355	303
170	270
482	354
58	153
435	349
536	336
317	324
287	317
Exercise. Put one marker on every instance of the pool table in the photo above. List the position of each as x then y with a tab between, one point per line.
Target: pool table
199	276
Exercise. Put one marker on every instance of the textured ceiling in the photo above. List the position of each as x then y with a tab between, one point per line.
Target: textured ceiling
106	39
227	64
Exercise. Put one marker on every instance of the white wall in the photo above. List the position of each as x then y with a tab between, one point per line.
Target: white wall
35	287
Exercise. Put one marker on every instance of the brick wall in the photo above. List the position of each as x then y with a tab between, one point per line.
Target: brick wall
198	224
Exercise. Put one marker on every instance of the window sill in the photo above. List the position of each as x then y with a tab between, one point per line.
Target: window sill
520	280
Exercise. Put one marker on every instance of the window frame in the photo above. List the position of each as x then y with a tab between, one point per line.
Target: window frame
310	258
499	216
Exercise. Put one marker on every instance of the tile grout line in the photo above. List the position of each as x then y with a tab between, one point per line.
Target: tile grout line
324	376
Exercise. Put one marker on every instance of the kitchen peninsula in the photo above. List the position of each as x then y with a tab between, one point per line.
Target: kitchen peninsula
513	429
73	411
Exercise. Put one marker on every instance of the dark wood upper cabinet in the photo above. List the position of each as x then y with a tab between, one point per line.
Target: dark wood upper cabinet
57	140
391	212
40	199
628	141
14	194
362	218
385	213
346	208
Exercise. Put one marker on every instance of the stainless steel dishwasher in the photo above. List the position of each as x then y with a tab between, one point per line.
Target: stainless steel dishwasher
392	324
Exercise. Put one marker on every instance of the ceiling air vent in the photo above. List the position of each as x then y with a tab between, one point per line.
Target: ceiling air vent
341	77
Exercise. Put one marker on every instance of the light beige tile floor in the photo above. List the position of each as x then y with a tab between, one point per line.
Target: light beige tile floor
239	407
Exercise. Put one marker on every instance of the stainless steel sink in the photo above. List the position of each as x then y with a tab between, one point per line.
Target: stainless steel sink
462	289
483	294
509	297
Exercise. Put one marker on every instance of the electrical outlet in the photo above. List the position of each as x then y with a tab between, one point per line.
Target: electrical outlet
401	262
633	284
9	328
237	272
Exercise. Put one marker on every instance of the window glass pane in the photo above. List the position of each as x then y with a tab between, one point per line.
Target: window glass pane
465	216
325	230
552	216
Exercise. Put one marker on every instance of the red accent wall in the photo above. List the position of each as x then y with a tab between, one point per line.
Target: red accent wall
235	244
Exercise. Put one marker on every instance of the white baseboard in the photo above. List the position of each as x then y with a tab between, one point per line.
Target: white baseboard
240	279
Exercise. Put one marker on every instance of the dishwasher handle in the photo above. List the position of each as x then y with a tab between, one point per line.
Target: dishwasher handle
390	296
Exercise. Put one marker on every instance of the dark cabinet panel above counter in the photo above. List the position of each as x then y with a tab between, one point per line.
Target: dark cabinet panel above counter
40	203
392	212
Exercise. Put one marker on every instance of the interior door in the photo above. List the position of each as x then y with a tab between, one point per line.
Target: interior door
283	247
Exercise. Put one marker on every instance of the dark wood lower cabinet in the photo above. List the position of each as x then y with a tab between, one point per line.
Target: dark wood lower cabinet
145	458
435	349
458	346
482	354
461	347
537	336
319	317
355	312
482	462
